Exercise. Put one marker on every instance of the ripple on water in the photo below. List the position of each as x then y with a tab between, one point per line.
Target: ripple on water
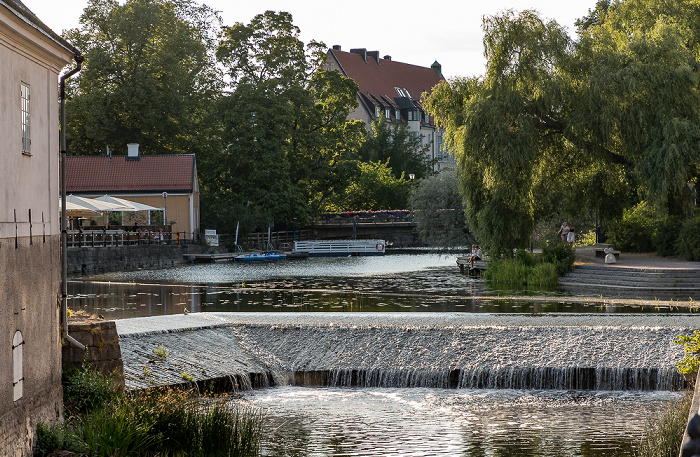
420	422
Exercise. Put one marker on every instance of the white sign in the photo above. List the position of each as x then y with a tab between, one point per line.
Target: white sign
211	237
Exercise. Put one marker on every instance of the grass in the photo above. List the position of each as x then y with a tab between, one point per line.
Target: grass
156	422
663	437
530	269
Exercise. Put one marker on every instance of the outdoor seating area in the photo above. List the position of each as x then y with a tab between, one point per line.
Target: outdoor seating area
124	236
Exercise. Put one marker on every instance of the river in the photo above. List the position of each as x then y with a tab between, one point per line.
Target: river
391	421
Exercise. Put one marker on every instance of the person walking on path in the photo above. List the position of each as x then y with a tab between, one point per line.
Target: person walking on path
571	235
564	232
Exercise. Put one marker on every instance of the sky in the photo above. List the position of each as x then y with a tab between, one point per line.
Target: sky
410	31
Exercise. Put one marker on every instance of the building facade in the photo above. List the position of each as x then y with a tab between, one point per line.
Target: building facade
32	57
393	90
167	181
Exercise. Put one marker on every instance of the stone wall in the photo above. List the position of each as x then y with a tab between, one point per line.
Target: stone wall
29	307
103	352
96	260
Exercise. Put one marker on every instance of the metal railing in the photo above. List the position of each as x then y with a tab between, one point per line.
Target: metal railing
107	238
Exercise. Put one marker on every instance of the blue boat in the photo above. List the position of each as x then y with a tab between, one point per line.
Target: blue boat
260	256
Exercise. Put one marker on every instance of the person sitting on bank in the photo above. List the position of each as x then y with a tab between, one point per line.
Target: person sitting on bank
476	255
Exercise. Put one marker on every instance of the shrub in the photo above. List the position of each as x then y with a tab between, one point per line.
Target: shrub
50	438
561	255
688	243
691	349
85	389
635	231
666	235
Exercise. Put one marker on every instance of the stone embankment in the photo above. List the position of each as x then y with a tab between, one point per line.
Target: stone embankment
96	260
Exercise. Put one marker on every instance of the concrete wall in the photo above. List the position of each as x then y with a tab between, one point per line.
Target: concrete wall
90	261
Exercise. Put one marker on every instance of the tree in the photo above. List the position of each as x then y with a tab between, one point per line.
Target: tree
557	126
149	76
395	144
284	132
373	188
439	211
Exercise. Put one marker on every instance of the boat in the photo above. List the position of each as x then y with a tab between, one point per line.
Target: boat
260	256
340	248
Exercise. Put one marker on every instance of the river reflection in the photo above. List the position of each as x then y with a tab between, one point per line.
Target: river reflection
435	422
405	283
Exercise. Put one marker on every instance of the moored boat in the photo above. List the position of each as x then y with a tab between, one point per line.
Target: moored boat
260	256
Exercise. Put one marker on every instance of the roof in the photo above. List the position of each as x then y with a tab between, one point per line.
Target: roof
381	77
146	174
24	13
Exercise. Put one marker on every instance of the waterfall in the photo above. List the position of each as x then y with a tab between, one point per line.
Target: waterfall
583	352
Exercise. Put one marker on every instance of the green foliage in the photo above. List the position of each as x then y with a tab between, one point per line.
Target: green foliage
396	145
560	126
635	231
156	422
117	429
161	352
194	426
149	77
532	270
86	389
284	136
662	438
439	211
375	188
50	438
561	255
688	243
666	236
691	350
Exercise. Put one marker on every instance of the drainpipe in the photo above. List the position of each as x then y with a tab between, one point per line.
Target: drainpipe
64	232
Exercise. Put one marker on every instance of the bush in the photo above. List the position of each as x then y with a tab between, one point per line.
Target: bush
85	389
691	349
561	255
688	243
635	231
533	270
50	438
666	236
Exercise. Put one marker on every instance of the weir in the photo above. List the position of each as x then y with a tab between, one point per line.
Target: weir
447	350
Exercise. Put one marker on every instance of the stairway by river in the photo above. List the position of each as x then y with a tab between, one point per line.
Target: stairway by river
633	282
447	350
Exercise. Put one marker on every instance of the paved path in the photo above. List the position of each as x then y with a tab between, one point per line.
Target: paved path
586	255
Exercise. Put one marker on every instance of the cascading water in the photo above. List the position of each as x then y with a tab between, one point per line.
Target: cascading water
582	352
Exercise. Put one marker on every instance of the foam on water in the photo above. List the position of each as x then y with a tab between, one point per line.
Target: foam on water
595	352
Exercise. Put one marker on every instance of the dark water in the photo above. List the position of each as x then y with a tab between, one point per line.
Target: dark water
393	283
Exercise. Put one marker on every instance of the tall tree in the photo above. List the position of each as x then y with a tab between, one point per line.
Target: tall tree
149	76
557	125
283	125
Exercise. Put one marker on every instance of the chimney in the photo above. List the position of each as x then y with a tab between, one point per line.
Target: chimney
133	151
374	55
387	57
437	67
362	52
336	47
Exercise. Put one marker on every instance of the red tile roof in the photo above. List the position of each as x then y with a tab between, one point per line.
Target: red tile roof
381	78
148	173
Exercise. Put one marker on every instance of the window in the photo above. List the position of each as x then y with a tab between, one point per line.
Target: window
17	376
398	114
427	118
377	112
26	124
387	113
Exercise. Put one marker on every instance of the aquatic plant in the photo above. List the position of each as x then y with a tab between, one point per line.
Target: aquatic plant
161	353
662	438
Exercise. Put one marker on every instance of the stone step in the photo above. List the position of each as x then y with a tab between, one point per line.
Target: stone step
670	282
